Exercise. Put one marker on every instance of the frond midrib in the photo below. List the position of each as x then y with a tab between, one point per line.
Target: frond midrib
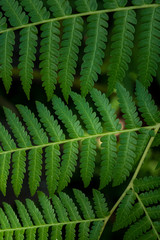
79	139
147	215
81	15
51	225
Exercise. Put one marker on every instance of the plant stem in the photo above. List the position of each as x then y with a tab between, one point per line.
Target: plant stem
81	15
130	185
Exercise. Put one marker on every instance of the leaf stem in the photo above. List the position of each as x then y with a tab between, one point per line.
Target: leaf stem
81	15
130	185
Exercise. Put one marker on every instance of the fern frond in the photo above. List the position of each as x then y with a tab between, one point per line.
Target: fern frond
114	3
26	219
94	51
71	40
128	108
68	164
122	43
28	43
49	53
59	7
65	115
86	113
139	211
87	160
149	44
48	218
33	138
125	158
35	9
35	169
7	40
146	183
14	12
34	127
100	204
147	105
106	111
84	204
18	129
51	125
109	155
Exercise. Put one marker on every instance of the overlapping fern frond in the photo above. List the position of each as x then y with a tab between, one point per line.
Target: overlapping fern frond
139	210
58	219
35	139
58	56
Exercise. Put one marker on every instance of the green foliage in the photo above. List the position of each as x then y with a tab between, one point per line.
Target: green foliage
45	134
49	218
83	140
59	47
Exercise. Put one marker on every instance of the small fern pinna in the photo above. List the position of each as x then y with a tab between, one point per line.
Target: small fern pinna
80	134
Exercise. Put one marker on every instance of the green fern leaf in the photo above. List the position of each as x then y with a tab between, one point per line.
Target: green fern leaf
153	196
101	208
114	3
124	210
60	209
48	211
146	105
3	24
84	204
65	115
37	219
70	206
95	45
88	116
14	12
141	2
87	160
35	169
14	221
7	40
52	167
146	183
19	168
125	158
109	155
51	125
49	56
86	5
94	51
96	230
4	171
122	43
71	40
137	229
83	231
149	43
69	160
60	7
128	108
5	225
88	153
6	139
142	141
19	132
28	43
25	218
34	127
36	10
106	111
